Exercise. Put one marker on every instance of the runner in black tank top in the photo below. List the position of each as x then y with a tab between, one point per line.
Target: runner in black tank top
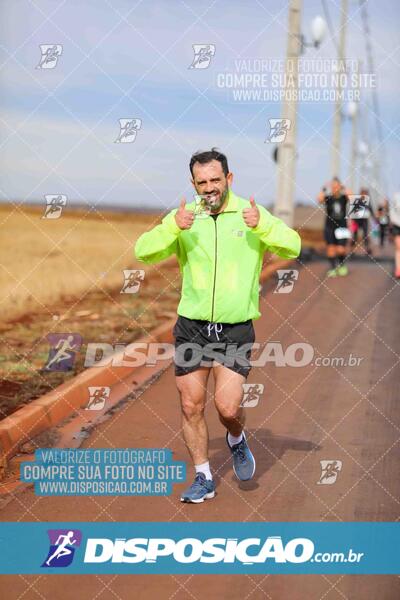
335	229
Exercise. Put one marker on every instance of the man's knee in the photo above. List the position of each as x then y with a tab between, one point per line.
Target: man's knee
192	401
191	409
229	412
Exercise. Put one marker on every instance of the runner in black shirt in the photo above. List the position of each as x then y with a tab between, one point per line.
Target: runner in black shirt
336	233
382	216
360	220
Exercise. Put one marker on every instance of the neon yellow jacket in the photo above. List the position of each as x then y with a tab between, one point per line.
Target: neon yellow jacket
220	259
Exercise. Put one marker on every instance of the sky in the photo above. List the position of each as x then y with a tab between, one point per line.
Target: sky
130	60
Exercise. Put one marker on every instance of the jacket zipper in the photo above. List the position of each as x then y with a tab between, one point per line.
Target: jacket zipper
215	269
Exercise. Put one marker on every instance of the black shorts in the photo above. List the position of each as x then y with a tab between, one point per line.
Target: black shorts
199	343
363	226
395	229
329	233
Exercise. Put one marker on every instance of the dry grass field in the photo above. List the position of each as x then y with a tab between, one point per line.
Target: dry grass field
43	260
66	275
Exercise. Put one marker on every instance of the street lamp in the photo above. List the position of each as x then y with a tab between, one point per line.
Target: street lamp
363	148
352	109
318	31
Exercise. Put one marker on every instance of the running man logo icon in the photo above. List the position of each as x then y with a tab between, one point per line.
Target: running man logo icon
133	279
286	280
50	55
278	130
358	206
203	54
63	348
128	130
63	543
97	397
54	205
252	393
330	470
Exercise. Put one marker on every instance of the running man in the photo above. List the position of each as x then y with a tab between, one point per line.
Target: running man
360	213
64	348
62	543
220	256
336	233
382	217
394	211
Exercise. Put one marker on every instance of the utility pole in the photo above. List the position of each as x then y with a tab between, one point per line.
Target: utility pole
337	117
376	188
365	133
353	161
284	205
354	140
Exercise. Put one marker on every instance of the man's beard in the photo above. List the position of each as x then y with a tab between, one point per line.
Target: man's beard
214	203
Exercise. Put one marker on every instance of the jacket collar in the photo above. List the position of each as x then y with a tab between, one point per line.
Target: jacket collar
233	203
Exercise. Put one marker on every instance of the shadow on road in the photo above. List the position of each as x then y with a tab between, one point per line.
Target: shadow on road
267	448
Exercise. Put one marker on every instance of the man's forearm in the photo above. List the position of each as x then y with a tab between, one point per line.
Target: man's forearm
277	236
158	243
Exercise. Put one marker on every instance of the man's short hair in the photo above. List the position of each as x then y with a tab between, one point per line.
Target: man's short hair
207	156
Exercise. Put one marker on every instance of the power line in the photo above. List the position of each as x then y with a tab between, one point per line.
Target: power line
329	23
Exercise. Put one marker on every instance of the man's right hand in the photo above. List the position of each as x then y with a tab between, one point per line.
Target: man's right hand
184	218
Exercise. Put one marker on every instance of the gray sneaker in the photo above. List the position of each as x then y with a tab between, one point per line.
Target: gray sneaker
244	464
200	490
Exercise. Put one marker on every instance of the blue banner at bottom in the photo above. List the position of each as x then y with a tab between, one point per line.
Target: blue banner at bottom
191	548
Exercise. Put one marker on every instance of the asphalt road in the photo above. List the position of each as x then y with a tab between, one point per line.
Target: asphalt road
305	415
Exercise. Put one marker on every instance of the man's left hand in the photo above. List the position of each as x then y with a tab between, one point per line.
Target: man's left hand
251	216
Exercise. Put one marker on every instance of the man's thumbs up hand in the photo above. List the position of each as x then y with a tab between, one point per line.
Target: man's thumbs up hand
251	216
184	218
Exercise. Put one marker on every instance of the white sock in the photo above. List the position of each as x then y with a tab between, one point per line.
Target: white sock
232	440
205	469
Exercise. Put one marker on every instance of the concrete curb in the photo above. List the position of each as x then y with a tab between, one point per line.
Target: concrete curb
64	401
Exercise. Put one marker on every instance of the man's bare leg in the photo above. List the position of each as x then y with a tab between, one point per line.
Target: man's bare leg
397	255
228	398
192	389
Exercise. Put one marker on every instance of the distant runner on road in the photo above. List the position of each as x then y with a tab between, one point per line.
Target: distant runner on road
394	211
219	240
336	233
382	217
360	220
